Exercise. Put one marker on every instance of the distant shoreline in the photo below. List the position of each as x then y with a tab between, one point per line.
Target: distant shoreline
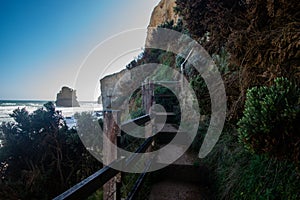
8	106
26	100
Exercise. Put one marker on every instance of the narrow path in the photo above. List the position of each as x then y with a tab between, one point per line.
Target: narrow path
183	180
171	189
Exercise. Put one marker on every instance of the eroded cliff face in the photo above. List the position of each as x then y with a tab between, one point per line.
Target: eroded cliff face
163	12
116	89
109	85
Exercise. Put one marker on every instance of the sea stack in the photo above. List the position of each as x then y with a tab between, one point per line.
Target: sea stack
66	98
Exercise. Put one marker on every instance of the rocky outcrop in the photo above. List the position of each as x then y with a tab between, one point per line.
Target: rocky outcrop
111	84
116	89
108	85
66	98
99	101
163	12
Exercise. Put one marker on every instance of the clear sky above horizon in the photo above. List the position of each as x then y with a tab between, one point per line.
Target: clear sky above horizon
43	43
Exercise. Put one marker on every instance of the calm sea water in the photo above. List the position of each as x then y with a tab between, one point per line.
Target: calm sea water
8	106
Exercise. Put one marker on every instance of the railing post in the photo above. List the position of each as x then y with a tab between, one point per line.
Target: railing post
147	95
148	102
111	128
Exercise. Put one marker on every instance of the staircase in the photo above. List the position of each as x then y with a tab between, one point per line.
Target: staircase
183	179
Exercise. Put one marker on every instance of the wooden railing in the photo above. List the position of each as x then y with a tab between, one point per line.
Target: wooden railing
89	185
102	177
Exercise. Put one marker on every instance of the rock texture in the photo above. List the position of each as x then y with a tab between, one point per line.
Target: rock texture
108	88
163	12
111	84
66	98
117	88
99	101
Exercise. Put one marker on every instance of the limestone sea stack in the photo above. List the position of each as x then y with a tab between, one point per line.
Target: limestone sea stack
66	98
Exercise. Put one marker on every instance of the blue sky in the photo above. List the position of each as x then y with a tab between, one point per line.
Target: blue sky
43	43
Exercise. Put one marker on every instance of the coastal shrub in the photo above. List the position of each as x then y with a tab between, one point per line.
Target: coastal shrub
270	122
165	97
89	129
40	157
136	104
199	86
222	60
137	113
202	130
235	173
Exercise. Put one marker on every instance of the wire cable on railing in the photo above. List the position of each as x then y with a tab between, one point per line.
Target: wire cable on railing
139	182
132	144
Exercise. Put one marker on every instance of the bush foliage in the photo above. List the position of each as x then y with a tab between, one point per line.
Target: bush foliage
262	38
40	157
271	120
239	174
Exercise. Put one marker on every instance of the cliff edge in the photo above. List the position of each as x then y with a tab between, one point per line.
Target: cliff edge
163	12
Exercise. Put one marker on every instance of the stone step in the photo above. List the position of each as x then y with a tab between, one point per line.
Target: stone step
188	182
165	133
164	117
175	190
185	173
186	178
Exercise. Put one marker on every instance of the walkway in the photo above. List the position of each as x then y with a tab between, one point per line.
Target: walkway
184	179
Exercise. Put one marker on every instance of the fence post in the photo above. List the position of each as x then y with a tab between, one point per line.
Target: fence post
147	95
148	101
111	128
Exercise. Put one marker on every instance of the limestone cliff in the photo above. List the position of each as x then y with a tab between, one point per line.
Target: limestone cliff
66	98
108	85
163	12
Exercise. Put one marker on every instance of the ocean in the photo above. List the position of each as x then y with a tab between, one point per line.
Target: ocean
8	106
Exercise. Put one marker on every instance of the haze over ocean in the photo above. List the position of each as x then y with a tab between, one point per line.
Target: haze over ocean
7	107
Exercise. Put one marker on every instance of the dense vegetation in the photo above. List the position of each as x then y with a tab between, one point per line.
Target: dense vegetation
269	125
258	158
255	45
262	38
40	156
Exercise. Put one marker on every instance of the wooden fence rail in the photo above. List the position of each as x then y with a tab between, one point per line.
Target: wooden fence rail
89	185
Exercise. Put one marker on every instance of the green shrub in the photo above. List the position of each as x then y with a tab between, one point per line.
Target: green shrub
40	157
270	124
222	60
199	86
266	178
138	113
136	105
237	174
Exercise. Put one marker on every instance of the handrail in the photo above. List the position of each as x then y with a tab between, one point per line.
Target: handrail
137	186
89	185
141	149
128	125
